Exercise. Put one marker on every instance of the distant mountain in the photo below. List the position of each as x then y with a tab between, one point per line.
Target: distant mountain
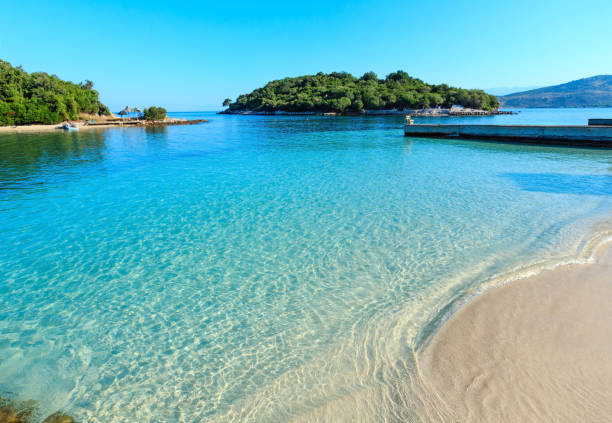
595	91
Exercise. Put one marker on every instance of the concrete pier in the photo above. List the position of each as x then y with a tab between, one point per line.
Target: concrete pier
588	136
600	122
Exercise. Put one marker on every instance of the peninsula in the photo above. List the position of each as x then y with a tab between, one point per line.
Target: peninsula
38	102
595	91
40	98
343	93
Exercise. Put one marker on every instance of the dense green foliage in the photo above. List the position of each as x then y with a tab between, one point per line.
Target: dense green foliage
154	113
41	98
342	92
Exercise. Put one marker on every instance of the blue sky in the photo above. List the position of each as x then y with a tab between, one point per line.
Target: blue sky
192	55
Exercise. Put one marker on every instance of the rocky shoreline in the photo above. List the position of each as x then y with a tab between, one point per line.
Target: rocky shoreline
142	122
437	112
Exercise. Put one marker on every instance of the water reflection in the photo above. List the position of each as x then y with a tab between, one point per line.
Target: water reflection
156	130
279	125
36	159
25	158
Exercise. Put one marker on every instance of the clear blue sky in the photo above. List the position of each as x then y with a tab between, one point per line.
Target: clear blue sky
192	55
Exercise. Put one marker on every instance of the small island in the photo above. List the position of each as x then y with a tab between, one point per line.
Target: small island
343	93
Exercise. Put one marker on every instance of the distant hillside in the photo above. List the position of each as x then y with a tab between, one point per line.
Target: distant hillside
341	92
27	98
595	91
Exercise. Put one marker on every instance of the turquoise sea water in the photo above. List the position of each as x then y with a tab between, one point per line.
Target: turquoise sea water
265	268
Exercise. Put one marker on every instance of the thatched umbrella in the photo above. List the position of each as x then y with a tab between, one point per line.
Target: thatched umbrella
125	111
137	111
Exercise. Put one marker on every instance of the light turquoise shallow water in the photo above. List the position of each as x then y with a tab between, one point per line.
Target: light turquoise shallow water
264	268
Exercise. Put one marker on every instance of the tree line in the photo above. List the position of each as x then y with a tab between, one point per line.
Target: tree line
42	98
342	92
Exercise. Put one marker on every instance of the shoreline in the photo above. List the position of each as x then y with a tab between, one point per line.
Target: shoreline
98	125
383	112
533	348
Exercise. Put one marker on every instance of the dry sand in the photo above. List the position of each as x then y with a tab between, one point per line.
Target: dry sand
80	125
52	128
539	349
36	128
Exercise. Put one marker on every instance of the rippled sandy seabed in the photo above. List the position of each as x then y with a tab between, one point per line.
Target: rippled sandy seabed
265	268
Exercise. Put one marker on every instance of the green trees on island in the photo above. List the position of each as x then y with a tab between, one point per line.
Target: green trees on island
341	92
154	113
41	98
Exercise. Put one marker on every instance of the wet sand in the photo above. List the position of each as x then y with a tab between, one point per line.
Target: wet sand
539	349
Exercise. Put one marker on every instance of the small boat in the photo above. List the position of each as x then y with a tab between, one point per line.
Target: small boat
70	127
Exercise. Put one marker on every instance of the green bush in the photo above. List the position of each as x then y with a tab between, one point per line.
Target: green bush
41	98
341	91
154	113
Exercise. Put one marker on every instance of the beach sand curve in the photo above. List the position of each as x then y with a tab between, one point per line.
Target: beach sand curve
538	349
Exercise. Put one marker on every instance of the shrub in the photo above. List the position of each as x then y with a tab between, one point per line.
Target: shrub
154	113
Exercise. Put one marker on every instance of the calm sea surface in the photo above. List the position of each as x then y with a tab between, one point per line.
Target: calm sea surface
266	268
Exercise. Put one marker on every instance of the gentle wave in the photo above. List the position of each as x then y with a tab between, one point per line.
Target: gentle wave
586	253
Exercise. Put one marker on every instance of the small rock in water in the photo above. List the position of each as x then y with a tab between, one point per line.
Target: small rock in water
9	415
59	417
26	412
11	412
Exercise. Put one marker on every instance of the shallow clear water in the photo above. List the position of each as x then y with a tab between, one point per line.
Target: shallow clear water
264	268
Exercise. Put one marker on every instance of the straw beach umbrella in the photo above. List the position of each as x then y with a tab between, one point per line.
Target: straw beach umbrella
125	111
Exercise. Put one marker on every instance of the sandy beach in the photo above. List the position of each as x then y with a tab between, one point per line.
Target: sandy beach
537	349
85	126
39	128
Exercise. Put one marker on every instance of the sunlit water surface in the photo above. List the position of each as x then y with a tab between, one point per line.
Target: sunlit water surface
265	268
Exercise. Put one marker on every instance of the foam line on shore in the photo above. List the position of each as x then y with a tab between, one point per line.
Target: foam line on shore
533	349
586	254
